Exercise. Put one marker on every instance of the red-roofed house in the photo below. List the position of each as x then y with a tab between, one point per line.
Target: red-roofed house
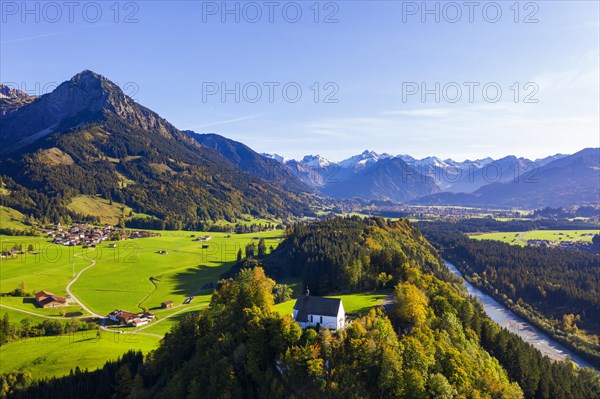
46	299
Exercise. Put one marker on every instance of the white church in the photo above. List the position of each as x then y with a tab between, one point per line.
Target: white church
310	311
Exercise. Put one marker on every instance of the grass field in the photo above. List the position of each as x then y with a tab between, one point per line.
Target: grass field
131	276
135	275
11	219
98	206
554	236
56	356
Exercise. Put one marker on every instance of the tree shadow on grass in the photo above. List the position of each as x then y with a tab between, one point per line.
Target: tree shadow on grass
190	281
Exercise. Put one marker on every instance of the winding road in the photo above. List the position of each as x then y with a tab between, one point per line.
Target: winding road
90	312
73	297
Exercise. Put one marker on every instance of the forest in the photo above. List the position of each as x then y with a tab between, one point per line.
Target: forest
352	254
434	341
489	224
557	289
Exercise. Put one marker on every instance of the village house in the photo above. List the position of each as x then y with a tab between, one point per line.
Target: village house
135	319
46	299
205	238
139	321
121	316
310	311
167	305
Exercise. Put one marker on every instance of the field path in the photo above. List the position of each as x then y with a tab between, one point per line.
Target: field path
33	313
171	315
73	297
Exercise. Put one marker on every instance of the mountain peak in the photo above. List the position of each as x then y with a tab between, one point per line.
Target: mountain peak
85	98
88	74
11	93
92	83
12	99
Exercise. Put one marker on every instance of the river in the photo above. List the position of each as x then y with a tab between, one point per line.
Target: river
506	318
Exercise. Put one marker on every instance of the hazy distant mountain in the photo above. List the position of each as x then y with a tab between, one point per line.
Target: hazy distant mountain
368	175
88	137
471	178
250	161
275	157
566	181
544	161
389	179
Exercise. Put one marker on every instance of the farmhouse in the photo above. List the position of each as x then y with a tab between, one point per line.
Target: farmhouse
167	305
148	315
139	321
121	316
205	238
46	299
310	311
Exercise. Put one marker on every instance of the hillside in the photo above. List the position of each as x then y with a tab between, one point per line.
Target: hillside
349	254
251	162
87	137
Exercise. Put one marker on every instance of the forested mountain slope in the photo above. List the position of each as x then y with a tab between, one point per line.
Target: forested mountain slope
88	137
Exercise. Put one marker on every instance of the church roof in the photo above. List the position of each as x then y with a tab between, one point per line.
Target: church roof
316	305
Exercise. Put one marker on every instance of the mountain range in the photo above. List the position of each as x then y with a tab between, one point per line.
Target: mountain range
88	138
557	180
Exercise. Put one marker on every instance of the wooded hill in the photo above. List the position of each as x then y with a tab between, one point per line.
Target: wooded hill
352	254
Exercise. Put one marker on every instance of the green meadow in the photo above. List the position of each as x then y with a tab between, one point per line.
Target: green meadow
56	356
132	276
98	206
11	218
553	236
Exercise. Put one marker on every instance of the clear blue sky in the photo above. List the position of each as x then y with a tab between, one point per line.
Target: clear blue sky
374	54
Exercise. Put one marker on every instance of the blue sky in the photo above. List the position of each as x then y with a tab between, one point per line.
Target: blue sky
371	61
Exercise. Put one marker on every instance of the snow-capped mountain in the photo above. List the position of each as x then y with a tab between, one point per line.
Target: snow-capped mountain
275	157
363	160
316	161
544	161
339	178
